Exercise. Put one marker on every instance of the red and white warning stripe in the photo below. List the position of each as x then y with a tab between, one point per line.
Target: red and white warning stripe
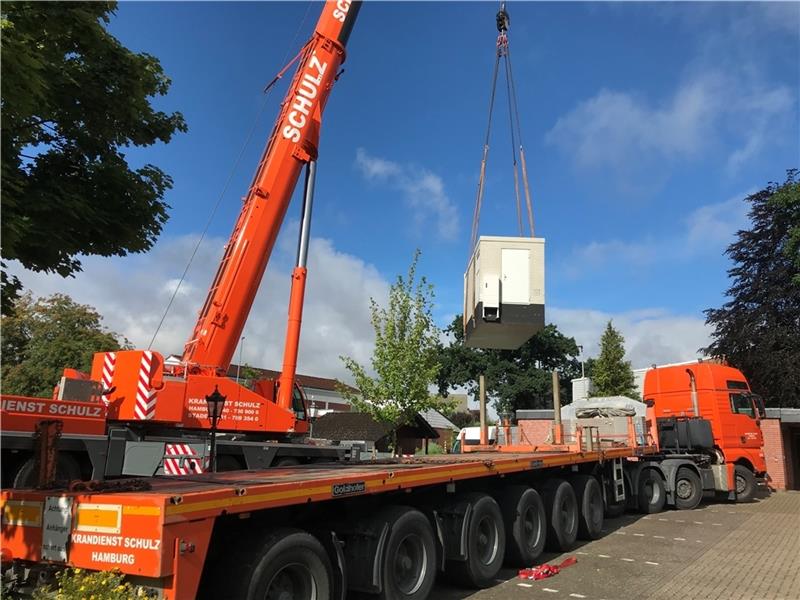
109	364
181	465
145	394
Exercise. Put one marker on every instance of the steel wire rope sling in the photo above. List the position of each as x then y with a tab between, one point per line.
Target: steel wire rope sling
503	52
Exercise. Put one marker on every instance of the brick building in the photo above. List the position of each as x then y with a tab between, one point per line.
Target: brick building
781	431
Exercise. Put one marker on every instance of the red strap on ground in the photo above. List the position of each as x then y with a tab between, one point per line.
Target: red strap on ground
545	571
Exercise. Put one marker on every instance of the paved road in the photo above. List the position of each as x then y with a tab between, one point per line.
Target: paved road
716	552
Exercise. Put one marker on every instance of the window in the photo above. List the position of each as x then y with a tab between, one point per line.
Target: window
742	404
760	410
737	385
298	405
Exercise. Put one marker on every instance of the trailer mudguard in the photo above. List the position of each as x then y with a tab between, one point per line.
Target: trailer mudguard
452	521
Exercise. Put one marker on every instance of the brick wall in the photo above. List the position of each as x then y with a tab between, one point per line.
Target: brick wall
534	431
774	453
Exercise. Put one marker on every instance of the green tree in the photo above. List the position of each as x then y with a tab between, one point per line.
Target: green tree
43	337
73	98
611	373
404	358
516	379
758	329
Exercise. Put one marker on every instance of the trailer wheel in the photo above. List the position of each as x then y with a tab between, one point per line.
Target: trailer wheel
652	492
562	514
590	497
289	564
688	489
486	544
287	461
526	524
745	483
67	469
409	558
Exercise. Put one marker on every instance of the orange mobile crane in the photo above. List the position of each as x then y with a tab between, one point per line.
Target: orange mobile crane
134	415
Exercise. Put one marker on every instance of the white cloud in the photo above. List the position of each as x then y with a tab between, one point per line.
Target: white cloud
423	190
131	294
626	132
652	336
707	229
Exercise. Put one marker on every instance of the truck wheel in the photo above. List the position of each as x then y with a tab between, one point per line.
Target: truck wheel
745	483
67	469
409	558
688	489
486	544
561	507
286	461
228	462
590	496
526	524
652	493
289	564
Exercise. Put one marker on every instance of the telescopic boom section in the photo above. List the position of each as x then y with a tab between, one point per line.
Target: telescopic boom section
292	144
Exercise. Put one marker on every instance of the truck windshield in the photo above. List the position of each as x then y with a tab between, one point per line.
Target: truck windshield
741	403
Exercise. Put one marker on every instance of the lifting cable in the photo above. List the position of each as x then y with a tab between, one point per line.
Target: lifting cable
236	162
503	52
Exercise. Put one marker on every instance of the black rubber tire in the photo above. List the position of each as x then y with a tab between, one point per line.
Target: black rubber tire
526	524
486	544
590	500
745	480
67	469
688	489
290	561
409	557
286	461
651	494
614	511
561	507
228	462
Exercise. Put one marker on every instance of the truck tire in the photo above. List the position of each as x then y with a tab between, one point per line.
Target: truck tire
745	483
526	524
688	489
485	543
289	563
286	461
409	557
561	507
67	469
590	499
652	492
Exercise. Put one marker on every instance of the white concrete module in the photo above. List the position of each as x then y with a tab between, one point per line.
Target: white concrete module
504	292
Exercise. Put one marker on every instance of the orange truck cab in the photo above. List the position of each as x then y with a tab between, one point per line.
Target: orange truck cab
717	393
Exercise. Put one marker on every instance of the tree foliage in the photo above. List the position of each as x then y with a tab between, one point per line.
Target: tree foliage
611	373
73	98
758	329
516	379
43	337
404	359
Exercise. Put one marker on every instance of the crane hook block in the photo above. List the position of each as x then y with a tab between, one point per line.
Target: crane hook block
502	21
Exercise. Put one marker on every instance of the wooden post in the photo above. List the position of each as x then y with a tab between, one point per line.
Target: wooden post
557	429
482	395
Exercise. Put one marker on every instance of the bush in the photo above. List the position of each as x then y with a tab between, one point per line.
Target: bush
78	584
433	448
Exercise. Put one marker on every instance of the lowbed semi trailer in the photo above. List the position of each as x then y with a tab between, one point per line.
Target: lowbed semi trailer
319	531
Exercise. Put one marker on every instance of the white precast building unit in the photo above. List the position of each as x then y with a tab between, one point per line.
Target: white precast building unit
504	292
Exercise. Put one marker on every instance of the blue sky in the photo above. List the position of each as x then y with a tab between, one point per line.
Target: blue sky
645	124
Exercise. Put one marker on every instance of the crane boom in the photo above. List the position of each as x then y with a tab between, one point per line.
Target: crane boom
292	144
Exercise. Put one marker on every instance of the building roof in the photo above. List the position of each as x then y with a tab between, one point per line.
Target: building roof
307	381
361	426
437	420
